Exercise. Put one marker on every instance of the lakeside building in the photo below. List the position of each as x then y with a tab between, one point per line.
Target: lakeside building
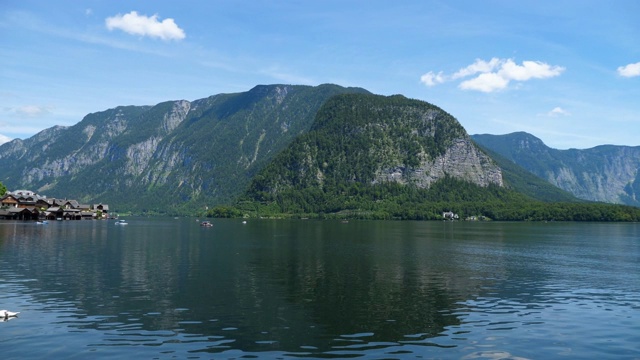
27	205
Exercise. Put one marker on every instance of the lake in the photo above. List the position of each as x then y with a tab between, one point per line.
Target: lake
164	288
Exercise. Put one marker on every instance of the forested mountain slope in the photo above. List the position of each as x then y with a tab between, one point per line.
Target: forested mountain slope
176	156
374	153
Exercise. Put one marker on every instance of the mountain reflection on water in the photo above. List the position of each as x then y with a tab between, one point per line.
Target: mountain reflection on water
300	288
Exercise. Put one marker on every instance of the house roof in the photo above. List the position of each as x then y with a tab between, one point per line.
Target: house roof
22	193
26	195
104	206
7	195
30	199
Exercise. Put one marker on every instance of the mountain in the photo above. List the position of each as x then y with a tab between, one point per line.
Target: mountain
176	155
372	153
522	181
376	157
604	173
374	139
289	150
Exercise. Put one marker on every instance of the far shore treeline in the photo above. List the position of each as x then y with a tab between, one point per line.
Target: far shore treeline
395	202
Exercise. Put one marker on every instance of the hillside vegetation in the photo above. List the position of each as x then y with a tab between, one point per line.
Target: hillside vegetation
177	157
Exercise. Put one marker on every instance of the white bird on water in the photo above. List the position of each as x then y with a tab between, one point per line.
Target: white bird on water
6	314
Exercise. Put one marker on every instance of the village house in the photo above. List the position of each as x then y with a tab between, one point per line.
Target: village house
27	205
450	215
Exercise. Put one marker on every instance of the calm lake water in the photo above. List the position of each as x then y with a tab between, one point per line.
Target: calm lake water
165	288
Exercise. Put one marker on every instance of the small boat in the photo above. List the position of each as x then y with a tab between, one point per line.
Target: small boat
121	222
5	315
206	224
42	222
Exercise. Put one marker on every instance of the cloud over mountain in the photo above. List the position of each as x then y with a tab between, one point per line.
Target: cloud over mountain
4	139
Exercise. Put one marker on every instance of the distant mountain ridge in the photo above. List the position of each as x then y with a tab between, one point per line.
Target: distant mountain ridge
606	173
174	155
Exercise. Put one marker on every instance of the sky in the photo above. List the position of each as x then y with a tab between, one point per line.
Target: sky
567	72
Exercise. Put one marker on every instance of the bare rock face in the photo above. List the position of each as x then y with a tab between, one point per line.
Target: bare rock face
606	173
462	160
178	113
140	154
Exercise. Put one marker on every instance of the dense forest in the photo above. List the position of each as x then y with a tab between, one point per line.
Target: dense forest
399	202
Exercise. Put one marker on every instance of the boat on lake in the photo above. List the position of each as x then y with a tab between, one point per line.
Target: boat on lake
6	315
206	224
121	222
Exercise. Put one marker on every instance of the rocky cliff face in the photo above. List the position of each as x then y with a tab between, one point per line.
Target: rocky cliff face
462	160
605	173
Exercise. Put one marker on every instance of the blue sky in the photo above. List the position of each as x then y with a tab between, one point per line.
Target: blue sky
567	72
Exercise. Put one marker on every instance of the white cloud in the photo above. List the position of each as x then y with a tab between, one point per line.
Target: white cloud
4	139
432	79
528	70
495	74
135	24
558	111
487	82
480	66
630	70
31	111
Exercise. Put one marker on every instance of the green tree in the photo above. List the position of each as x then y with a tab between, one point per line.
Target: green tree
3	189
